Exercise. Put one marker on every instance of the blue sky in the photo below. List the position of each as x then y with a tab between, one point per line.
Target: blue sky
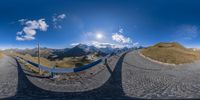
63	23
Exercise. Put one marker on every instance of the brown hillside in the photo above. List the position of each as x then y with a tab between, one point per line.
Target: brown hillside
173	53
1	54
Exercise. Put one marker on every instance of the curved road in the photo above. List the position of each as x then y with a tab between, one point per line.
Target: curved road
146	79
127	76
110	87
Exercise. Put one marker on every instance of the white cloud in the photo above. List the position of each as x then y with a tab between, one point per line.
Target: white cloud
30	29
25	37
123	41
106	44
136	44
96	44
19	38
62	16
43	25
74	44
118	37
112	45
117	40
121	30
19	33
102	45
57	19
22	21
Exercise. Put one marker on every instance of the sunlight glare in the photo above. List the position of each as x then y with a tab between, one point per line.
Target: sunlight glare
99	35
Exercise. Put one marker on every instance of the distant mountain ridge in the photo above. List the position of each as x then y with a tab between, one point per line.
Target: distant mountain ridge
76	51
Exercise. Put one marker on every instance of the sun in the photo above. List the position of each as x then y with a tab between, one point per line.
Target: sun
99	35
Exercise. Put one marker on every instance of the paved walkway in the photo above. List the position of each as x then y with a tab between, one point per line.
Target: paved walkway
126	76
105	84
146	79
8	77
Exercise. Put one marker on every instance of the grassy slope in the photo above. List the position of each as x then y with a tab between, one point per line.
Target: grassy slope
43	61
172	53
1	55
70	62
65	63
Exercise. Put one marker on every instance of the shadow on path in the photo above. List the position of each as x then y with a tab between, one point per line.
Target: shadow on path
112	89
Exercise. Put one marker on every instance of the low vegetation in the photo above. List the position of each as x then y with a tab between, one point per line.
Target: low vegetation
43	61
71	62
172	53
1	55
67	62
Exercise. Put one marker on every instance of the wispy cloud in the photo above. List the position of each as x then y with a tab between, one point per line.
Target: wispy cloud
30	29
121	30
58	18
22	21
74	44
116	40
107	44
99	44
104	45
188	32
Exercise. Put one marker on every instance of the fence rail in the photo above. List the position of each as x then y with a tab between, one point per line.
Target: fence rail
62	70
68	70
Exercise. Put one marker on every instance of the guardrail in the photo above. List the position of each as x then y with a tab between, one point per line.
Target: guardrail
68	70
62	70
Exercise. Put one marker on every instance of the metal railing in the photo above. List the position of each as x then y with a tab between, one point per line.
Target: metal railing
69	70
62	70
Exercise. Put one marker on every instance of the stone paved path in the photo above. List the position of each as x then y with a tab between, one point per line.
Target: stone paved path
146	79
125	76
8	77
108	85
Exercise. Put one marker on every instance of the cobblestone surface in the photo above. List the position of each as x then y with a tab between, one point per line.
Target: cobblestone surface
125	76
8	77
146	79
76	82
106	84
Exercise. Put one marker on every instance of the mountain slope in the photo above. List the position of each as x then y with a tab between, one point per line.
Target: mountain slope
76	51
1	54
173	53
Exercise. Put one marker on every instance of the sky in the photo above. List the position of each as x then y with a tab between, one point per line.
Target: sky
118	23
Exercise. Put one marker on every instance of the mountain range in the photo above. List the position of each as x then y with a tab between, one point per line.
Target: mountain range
76	51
